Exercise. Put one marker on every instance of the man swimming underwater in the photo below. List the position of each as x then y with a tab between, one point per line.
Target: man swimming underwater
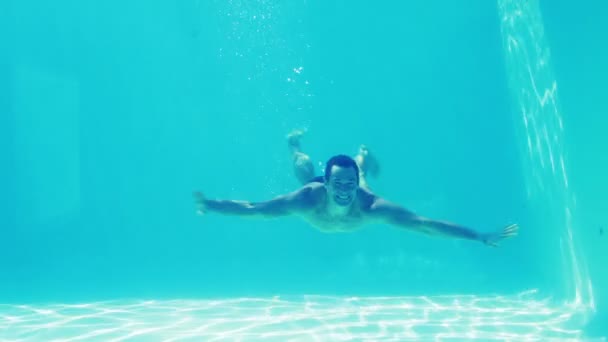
340	201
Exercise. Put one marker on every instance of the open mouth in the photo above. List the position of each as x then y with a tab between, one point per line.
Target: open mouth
343	198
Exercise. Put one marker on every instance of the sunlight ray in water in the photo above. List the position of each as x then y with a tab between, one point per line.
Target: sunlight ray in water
535	90
297	318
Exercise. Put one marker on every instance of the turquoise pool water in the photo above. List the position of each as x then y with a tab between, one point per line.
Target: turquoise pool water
117	112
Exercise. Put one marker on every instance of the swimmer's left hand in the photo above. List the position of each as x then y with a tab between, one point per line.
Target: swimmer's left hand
492	239
199	198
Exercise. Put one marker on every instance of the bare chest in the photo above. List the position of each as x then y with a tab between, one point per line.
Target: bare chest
335	224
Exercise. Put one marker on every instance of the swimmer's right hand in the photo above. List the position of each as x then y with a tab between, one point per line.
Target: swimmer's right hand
200	199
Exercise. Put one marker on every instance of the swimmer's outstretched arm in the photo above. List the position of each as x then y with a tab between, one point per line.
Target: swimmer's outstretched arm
401	217
291	203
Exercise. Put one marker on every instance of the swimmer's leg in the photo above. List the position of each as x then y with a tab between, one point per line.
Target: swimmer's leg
302	165
368	165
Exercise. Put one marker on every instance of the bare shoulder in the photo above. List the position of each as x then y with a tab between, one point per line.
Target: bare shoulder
310	194
368	200
376	205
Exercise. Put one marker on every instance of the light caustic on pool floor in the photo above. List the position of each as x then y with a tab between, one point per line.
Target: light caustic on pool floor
296	318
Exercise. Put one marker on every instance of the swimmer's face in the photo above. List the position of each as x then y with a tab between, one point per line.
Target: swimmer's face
342	185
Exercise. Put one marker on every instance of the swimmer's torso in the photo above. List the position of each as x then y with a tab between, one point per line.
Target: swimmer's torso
319	216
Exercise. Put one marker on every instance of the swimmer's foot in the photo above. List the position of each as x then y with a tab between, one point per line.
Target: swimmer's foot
293	139
367	162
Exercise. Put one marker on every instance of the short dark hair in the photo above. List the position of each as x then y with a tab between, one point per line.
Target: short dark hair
343	161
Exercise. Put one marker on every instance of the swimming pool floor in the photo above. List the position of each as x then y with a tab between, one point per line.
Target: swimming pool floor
519	317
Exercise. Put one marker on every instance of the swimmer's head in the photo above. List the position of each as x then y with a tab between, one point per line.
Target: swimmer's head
342	179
